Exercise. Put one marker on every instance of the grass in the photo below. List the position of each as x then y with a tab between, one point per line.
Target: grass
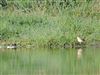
48	24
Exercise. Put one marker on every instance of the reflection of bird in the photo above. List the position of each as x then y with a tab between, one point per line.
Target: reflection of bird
0	46
79	40
79	53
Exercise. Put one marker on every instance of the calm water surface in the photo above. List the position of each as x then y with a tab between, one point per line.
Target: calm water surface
30	61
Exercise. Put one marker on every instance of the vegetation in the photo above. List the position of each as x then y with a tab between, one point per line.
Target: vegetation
49	22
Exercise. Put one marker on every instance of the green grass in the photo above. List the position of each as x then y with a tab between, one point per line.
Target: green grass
48	24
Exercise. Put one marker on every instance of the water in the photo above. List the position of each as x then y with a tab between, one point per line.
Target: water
29	61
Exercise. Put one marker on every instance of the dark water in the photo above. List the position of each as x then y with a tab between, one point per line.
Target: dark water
29	61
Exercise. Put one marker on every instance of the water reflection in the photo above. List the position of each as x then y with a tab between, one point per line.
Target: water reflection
50	61
79	53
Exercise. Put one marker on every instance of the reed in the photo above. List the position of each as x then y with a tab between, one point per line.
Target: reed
45	22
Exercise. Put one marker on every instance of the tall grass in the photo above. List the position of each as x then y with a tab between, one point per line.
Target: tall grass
47	22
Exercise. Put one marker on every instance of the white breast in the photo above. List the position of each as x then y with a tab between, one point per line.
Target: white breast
10	46
79	39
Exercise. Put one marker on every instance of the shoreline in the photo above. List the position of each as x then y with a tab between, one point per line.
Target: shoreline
50	45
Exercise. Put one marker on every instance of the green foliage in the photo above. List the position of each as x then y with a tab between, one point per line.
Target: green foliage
47	20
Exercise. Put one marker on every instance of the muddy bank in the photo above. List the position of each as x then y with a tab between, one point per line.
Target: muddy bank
48	44
28	44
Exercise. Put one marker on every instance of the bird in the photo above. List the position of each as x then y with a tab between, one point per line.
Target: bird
79	40
12	46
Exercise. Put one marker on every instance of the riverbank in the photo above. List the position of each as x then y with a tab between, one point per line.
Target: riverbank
41	28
